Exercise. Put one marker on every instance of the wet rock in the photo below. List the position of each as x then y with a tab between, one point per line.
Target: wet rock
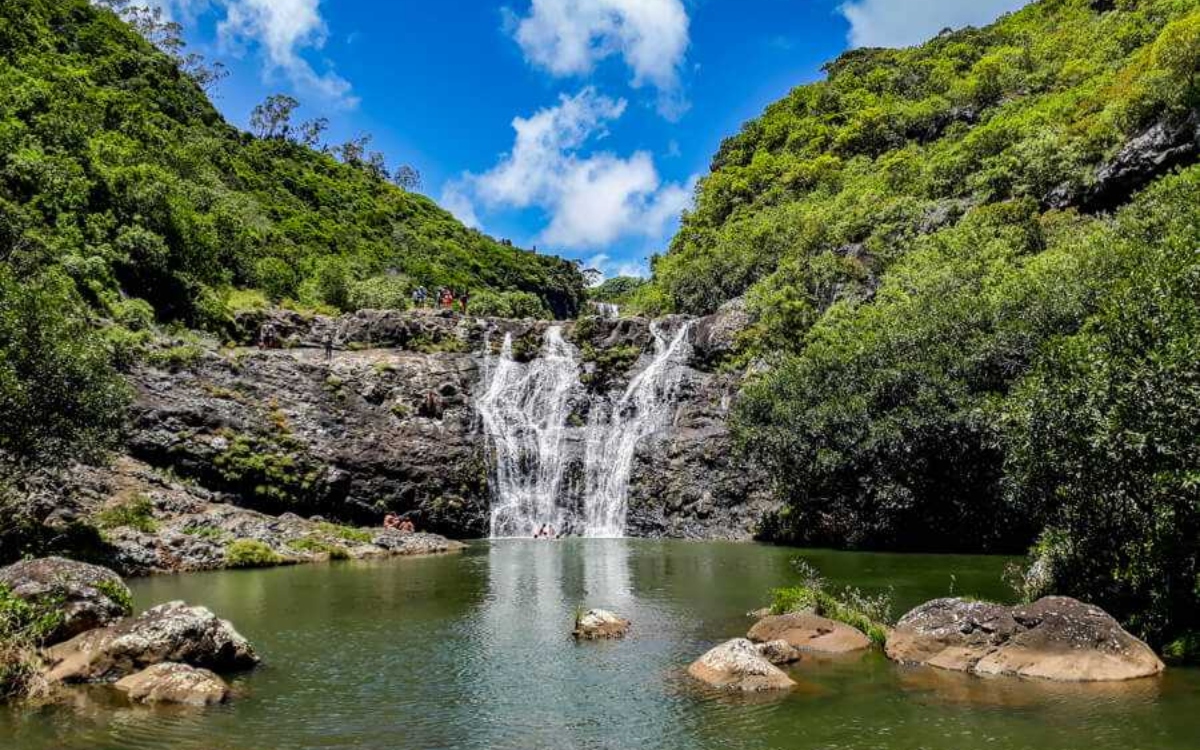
779	652
599	624
738	665
175	683
809	632
1055	638
87	596
172	632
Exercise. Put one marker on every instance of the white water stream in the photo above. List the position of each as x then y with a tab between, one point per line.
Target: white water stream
526	411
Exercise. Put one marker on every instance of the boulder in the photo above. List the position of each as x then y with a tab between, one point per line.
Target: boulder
171	632
88	596
740	666
175	683
600	624
1055	638
779	652
809	632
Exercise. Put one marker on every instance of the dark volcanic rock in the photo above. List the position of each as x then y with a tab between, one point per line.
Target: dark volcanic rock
1160	148
1055	638
87	596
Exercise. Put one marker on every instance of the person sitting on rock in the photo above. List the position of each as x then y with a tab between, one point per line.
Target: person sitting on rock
407	526
392	521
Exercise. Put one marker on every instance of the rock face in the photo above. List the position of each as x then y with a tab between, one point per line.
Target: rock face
87	596
175	683
599	624
171	632
739	665
1055	638
1161	147
809	632
389	423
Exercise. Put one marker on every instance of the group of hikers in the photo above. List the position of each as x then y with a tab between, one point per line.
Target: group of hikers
403	525
446	298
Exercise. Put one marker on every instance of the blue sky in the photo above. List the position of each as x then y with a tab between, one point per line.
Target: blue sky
578	126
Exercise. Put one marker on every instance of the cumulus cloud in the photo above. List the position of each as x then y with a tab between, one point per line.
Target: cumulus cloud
591	200
903	23
568	37
283	30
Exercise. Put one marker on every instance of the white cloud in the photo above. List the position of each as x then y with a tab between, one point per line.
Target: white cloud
568	37
591	200
284	30
610	268
903	23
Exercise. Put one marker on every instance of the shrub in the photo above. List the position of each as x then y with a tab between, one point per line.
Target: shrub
23	626
251	553
381	293
136	514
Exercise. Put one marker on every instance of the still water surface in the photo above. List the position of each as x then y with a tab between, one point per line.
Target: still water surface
472	651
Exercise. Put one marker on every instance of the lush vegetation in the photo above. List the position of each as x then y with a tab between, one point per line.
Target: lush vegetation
127	201
972	342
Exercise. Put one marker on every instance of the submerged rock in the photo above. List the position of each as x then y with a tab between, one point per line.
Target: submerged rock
175	683
87	596
1055	638
810	632
739	665
172	632
600	624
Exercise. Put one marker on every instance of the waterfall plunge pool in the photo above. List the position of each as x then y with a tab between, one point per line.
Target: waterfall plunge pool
473	651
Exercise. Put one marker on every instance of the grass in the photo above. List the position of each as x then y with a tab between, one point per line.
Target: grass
849	606
315	546
346	533
251	553
136	514
118	593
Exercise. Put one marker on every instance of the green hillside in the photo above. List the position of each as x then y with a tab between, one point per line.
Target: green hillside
116	169
973	274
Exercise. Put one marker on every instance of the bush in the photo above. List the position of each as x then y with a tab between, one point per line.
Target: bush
508	305
59	395
23	626
381	293
136	514
251	553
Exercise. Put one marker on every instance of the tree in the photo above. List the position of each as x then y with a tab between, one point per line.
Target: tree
310	131
354	150
407	178
204	74
273	118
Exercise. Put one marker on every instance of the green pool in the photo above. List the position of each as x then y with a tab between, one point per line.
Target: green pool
473	651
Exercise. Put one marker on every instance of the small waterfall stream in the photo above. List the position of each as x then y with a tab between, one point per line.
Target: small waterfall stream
526	412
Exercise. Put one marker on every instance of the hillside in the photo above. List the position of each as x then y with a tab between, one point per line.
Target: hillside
117	169
971	274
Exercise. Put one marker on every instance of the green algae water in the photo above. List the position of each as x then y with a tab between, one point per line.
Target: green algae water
473	651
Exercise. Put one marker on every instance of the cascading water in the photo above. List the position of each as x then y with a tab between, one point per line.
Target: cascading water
526	412
613	434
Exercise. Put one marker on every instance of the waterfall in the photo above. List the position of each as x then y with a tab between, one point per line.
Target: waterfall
526	412
613	434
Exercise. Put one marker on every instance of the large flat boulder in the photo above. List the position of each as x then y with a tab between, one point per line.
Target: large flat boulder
171	632
809	632
87	596
739	665
175	683
1055	638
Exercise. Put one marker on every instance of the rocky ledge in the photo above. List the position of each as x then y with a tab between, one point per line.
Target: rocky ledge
83	596
1055	638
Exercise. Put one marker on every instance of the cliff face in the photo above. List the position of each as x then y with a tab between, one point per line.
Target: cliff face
388	422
